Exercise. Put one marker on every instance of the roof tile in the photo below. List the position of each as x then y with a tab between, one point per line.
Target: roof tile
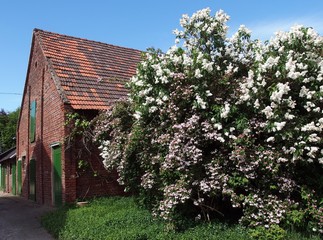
91	74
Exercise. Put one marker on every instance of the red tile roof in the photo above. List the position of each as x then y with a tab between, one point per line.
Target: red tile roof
90	74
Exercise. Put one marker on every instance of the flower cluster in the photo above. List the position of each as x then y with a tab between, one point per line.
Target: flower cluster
218	122
264	211
175	194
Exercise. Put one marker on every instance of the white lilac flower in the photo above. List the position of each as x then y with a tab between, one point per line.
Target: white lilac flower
177	60
270	139
198	73
281	159
244	93
312	151
164	98
291	103
147	180
159	71
176	32
282	89
184	20
153	109
187	61
231	129
268	111
225	111
319	77
149	100
292	149
164	79
310	127
201	14
317	109
289	116
217	126
139	83
246	131
250	80
313	138
221	16
279	125
309	106
229	69
271	62
199	56
159	102
303	92
200	102
244	29
137	115
208	93
206	65
291	68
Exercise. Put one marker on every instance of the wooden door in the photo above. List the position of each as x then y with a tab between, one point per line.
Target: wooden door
13	175
3	178
19	177
57	175
32	179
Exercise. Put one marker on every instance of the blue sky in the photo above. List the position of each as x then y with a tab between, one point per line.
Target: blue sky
136	24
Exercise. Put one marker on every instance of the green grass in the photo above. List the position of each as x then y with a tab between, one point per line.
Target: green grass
120	218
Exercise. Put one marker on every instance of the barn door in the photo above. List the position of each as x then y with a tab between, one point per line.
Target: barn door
13	172
57	175
0	177
32	179
19	177
3	177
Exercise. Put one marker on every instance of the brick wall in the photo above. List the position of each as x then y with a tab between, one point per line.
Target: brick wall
94	180
51	129
40	87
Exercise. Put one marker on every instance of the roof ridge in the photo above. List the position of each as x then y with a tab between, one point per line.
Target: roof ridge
85	39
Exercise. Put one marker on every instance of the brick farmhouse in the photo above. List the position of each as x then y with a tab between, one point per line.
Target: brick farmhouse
67	75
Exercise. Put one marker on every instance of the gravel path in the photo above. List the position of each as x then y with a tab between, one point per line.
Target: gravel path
20	219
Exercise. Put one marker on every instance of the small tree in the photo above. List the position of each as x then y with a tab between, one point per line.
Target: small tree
8	126
225	127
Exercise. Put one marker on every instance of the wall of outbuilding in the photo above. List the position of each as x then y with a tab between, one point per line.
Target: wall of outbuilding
40	87
50	130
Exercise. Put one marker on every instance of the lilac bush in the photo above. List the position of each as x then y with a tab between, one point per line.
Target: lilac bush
227	127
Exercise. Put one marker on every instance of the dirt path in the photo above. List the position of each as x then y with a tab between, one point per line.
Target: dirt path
20	219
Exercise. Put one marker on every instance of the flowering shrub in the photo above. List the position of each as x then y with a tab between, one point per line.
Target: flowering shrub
229	126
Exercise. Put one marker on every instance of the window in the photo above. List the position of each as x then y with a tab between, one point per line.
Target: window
32	124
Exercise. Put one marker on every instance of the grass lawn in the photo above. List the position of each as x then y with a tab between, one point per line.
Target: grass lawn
120	218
